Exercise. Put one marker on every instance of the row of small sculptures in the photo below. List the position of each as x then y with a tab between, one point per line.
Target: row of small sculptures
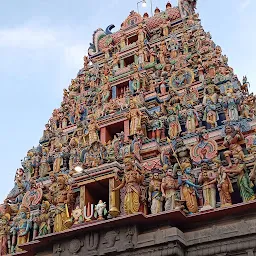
165	189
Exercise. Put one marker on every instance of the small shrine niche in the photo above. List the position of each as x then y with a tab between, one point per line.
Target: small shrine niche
121	89
129	61
112	130
132	39
96	191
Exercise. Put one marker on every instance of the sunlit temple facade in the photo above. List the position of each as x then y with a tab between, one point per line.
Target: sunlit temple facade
151	152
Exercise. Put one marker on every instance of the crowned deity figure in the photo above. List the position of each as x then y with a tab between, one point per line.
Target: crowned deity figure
192	119
93	130
210	112
174	128
207	179
232	142
42	222
189	190
4	233
135	118
243	180
62	199
224	184
21	229
169	188
155	193
131	182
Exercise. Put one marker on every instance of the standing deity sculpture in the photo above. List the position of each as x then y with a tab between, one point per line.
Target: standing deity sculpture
174	128
135	118
224	184
189	190
131	182
43	220
134	84
21	229
155	194
93	130
230	104
157	126
207	179
62	199
243	181
169	188
210	109
192	119
4	233
232	142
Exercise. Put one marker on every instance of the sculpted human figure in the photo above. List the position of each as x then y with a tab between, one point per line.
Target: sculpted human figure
155	193
93	130
174	128
43	220
207	179
169	187
135	118
224	185
188	190
192	119
231	141
243	181
4	233
61	201
131	182
210	112
21	230
100	210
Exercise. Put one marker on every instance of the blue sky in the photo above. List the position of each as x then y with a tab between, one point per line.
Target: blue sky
42	44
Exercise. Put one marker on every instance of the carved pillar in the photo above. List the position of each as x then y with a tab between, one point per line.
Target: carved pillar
103	133
114	198
126	129
82	197
113	92
122	63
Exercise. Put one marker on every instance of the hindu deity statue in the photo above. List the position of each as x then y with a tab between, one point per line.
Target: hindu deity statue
169	188
93	130
165	27
73	152
173	46
141	33
243	181
187	7
155	193
232	142
44	167
230	104
21	230
105	92
77	216
131	182
42	222
207	179
135	118
192	119
100	210
210	112
189	190
4	233
134	83
157	126
174	128
162	86
224	184
61	201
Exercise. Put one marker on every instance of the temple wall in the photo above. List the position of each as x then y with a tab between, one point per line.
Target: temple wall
224	238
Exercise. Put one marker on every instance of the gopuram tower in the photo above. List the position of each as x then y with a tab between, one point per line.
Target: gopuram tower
151	152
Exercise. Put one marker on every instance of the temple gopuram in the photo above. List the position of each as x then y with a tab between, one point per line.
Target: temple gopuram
152	151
